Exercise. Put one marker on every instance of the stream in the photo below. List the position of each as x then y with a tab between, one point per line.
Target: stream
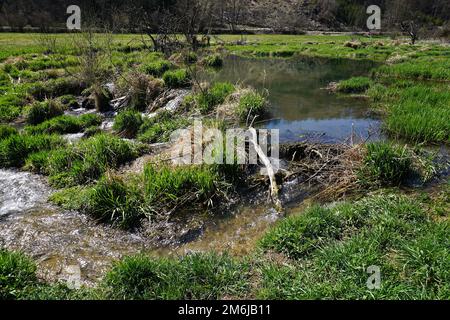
302	110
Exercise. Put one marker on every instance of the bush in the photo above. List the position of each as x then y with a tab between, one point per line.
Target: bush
42	111
127	123
250	105
197	276
17	272
386	164
354	85
177	78
214	96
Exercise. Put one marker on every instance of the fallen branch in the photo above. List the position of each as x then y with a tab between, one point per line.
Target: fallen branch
274	191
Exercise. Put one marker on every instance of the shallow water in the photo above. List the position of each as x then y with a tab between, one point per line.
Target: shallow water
60	240
21	191
302	109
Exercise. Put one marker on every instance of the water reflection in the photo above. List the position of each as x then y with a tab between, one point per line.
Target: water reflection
299	103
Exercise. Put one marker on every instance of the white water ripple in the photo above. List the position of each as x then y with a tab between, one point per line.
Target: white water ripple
21	191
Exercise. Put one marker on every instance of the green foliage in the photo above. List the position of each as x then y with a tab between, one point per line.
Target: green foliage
112	200
39	112
16	273
7	131
15	149
159	128
156	68
354	85
127	123
213	61
386	230
166	184
88	160
69	101
65	124
177	78
250	105
197	276
214	96
386	164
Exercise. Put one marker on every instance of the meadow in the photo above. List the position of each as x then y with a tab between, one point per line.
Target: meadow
322	252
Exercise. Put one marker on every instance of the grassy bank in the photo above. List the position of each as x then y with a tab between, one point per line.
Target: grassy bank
321	253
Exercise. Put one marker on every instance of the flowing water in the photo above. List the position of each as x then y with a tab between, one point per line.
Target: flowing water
302	109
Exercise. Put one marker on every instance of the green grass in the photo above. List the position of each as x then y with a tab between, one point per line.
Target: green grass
127	123
415	111
16	273
19	281
56	87
214	96
15	149
421	68
388	231
212	61
156	68
159	128
39	112
7	131
114	201
65	124
196	276
69	101
250	105
386	164
88	160
354	85
177	78
166	185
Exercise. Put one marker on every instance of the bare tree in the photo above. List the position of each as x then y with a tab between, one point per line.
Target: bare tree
233	12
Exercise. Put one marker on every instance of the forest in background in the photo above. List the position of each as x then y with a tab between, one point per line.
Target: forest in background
230	16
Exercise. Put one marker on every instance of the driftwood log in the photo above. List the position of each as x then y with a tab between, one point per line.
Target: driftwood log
274	191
